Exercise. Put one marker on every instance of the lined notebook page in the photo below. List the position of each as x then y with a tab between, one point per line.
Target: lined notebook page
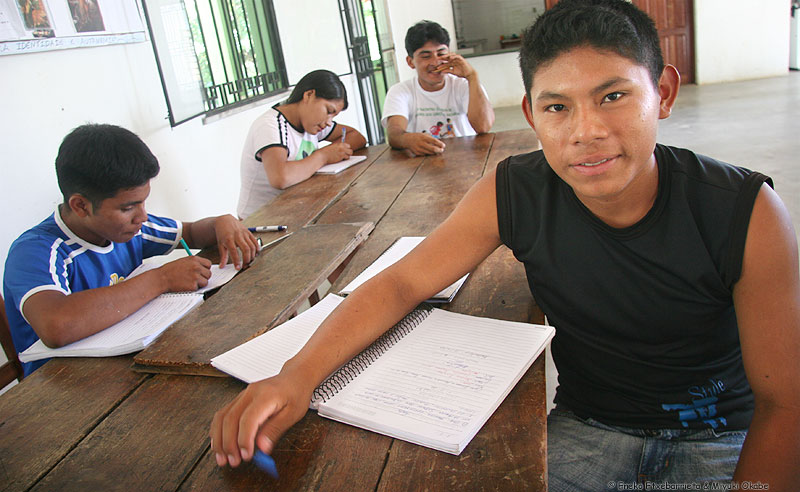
264	356
399	249
219	276
129	335
441	382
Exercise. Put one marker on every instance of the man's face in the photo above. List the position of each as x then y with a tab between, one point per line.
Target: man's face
118	218
425	61
596	114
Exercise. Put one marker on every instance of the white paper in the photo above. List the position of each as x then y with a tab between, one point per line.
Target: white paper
399	249
129	335
338	167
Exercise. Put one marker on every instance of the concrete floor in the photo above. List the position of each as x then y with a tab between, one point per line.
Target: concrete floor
753	123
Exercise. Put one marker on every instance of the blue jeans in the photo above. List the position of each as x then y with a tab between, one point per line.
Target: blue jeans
583	454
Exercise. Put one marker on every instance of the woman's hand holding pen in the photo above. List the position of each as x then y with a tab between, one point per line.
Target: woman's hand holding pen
257	417
336	152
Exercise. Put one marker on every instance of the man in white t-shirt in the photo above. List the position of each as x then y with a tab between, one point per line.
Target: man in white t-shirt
444	99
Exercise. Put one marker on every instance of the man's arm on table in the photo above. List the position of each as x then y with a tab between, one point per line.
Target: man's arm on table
418	143
59	319
265	410
767	301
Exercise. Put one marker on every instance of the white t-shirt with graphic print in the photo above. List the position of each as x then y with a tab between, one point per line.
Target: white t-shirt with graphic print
271	129
441	113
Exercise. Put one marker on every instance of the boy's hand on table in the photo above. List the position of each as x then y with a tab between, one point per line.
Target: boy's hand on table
186	274
234	241
258	416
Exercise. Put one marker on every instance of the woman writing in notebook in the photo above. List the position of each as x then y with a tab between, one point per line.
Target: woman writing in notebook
283	145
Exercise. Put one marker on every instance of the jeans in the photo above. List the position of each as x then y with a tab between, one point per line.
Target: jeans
583	454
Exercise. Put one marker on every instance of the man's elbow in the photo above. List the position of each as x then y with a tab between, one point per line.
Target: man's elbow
54	333
484	124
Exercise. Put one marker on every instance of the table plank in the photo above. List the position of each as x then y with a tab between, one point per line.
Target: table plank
430	196
302	203
510	143
53	409
152	441
258	298
354	463
374	191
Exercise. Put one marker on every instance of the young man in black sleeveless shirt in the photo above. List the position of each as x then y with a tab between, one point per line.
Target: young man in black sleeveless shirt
671	279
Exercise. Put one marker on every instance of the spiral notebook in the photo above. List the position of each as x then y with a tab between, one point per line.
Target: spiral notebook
433	379
401	247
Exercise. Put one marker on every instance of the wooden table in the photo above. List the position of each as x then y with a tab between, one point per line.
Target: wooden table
94	424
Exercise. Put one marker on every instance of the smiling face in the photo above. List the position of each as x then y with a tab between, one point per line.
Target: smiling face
425	60
596	114
117	219
317	113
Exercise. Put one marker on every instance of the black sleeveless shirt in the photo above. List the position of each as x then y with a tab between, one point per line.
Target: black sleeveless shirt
646	332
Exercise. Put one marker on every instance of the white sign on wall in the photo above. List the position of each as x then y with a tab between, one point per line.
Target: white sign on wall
28	26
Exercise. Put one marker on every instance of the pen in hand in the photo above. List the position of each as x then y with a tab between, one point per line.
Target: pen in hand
186	247
344	132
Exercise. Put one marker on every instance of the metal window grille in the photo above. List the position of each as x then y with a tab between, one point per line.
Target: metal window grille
215	55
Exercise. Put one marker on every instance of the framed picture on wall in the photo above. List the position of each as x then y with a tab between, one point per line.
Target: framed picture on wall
28	26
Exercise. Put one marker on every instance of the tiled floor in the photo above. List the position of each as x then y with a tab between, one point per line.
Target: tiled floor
754	123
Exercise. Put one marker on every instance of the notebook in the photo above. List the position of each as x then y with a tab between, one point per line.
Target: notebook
219	276
131	334
338	167
433	379
397	250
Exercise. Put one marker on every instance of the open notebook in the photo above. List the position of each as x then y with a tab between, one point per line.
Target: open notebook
397	250
131	334
338	167
433	379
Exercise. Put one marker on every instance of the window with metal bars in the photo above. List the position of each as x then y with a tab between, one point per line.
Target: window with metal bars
214	55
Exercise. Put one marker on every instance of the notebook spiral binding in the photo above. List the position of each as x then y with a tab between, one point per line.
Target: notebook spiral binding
339	379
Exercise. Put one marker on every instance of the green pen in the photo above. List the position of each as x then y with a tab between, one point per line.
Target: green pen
183	243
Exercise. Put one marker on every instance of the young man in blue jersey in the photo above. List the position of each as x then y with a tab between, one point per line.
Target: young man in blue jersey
671	279
64	278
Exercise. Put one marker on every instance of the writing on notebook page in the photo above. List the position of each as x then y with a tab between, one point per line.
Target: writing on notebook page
435	379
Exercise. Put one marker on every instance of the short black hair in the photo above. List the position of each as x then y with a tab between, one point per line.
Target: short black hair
99	160
422	32
324	83
612	25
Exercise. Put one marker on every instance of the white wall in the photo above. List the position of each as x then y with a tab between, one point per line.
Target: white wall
47	94
501	78
405	13
740	39
735	40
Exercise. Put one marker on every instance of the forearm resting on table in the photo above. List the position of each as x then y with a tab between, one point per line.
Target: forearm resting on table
60	319
361	318
282	175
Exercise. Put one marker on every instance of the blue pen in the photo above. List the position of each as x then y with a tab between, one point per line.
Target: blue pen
344	132
265	462
186	247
